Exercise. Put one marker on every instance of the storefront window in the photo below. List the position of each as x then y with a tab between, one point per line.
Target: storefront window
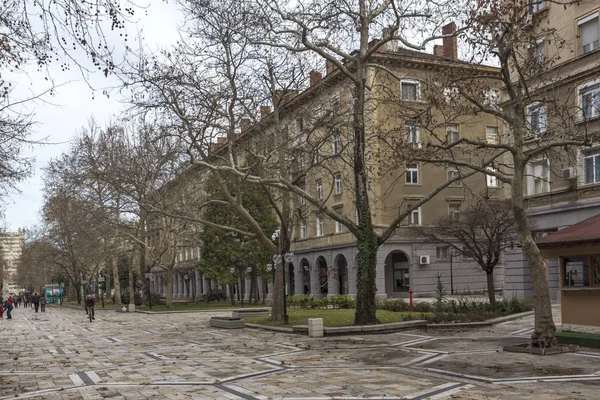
597	270
576	272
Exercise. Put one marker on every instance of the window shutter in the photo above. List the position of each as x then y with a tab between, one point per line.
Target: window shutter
588	32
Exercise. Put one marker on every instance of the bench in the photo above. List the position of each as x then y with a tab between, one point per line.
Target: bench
250	312
227	322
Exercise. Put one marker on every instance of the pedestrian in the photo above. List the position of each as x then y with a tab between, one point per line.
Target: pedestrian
35	299
10	298
8	308
1	310
43	303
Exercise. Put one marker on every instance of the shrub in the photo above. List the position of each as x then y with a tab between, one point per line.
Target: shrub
422	307
342	301
397	305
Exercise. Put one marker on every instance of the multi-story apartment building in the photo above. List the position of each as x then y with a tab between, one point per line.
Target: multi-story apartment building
563	188
325	253
401	120
11	247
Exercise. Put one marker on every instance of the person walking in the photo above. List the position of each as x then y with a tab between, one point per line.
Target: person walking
43	303
35	299
8	308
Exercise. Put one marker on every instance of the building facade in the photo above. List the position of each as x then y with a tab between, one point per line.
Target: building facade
11	248
564	188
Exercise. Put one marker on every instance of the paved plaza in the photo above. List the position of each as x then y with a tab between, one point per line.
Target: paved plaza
61	355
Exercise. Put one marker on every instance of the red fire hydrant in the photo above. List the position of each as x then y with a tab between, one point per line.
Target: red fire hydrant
410	292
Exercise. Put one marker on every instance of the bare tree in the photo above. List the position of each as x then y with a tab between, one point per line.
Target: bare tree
539	116
482	232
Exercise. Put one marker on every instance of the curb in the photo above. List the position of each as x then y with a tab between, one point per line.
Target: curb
482	324
389	328
190	311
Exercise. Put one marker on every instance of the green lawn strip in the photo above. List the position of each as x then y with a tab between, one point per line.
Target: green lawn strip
199	306
333	318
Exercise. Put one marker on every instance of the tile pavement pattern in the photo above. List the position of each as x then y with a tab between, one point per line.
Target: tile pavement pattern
61	355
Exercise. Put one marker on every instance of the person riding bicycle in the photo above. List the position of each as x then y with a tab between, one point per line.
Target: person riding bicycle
89	305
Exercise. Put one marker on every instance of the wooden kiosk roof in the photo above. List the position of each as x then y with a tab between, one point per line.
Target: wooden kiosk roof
586	231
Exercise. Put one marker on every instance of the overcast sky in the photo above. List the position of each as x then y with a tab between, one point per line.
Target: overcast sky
74	103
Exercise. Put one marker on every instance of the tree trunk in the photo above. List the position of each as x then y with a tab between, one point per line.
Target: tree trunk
490	289
107	291
131	283
277	309
115	266
544	329
231	295
366	238
264	294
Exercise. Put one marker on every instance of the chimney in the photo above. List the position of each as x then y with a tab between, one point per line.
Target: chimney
450	42
329	66
438	50
244	125
264	111
315	77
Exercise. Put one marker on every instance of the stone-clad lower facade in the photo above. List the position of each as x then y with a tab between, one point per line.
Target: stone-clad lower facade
332	271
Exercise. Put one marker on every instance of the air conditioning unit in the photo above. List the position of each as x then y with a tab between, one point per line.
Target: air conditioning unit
424	260
569	173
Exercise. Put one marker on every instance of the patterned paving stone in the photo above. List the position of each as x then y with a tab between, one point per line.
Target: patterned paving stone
60	355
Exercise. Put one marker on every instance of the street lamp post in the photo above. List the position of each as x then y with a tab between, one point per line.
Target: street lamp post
149	278
451	274
186	279
277	258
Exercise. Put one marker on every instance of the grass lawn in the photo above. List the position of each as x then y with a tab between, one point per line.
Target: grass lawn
335	317
213	305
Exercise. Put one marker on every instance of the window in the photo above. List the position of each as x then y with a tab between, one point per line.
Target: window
298	126
452	133
339	228
337	144
536	118
411	129
410	90
412	173
302	230
302	198
454	212
538	54
576	271
491	180
588	33
535	6
338	183
320	226
491	135
414	218
335	105
539	179
320	189
591	166
302	162
453	174
580	271
491	98
318	157
452	95
589	99
442	252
